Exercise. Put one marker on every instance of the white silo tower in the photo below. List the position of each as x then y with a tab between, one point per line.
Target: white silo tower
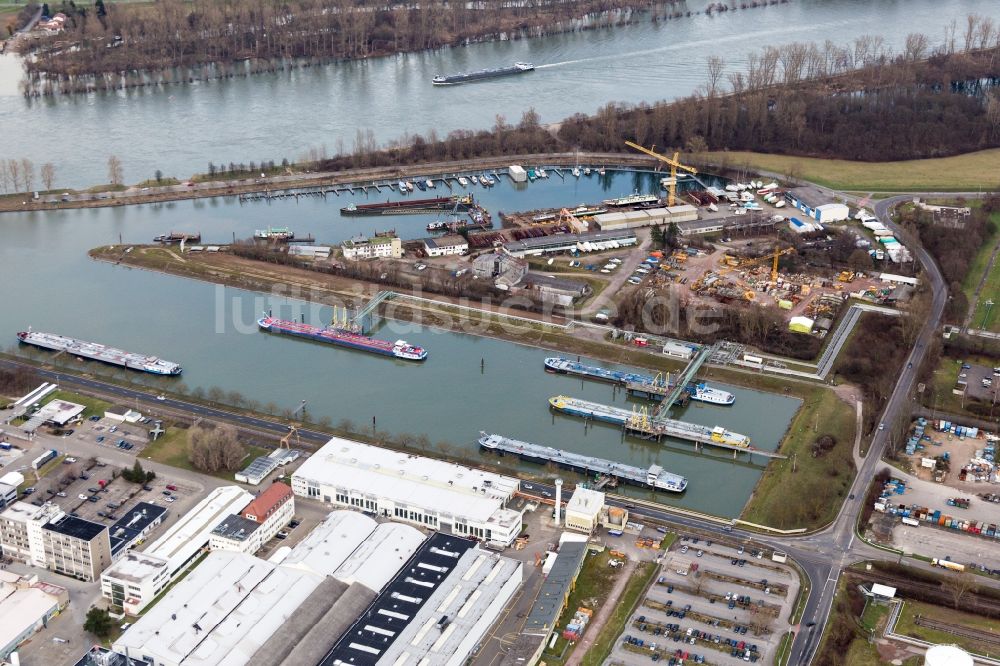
947	655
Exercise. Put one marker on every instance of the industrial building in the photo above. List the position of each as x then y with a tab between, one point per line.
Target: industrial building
445	246
548	604
76	547
140	582
584	509
562	291
451	597
26	606
434	494
59	412
134	526
257	522
9	483
505	270
681	350
122	414
354	591
45	536
590	241
649	217
220	613
377	247
257	471
817	205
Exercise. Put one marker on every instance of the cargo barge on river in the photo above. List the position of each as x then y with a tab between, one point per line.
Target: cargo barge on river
410	206
341	337
468	77
697	391
98	352
655	477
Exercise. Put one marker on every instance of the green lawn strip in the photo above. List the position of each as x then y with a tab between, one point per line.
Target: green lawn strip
968	172
911	609
46	469
626	605
818	483
595	582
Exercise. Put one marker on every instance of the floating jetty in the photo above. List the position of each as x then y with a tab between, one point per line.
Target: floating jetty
409	206
639	423
98	352
655	477
174	237
657	387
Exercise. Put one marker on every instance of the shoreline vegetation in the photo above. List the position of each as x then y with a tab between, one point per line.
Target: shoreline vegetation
120	46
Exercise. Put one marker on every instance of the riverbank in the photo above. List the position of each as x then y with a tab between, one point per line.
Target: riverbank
298	177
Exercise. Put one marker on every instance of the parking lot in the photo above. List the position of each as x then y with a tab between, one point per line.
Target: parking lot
130	437
711	603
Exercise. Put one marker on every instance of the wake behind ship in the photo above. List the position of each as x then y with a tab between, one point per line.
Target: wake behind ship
467	77
98	352
338	336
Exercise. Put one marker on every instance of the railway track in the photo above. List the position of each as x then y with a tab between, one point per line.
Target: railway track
971	600
959	630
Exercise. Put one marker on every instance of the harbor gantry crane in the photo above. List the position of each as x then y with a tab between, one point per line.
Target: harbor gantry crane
674	166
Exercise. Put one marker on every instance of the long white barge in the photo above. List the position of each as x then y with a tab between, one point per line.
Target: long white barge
655	477
98	352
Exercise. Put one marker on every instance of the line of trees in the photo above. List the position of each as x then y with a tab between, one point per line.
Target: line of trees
20	175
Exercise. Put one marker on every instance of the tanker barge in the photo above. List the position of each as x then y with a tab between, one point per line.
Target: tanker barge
410	206
467	77
98	352
655	477
344	338
661	427
700	391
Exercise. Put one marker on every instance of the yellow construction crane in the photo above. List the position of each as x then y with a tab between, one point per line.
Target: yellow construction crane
772	257
674	166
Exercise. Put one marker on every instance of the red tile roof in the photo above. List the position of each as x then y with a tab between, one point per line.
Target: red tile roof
266	502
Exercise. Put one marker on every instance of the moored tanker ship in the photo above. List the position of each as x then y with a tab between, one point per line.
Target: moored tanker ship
98	352
344	338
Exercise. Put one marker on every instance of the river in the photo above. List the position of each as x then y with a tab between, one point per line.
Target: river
468	383
180	129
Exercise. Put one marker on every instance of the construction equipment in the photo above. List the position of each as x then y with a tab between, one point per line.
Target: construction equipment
674	166
772	257
292	430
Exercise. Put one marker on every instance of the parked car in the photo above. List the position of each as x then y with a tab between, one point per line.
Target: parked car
93	498
100	438
171	486
167	493
147	488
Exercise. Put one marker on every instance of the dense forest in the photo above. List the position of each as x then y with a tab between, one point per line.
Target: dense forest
114	46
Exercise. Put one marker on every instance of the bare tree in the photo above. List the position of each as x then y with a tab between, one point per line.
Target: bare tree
14	172
960	585
215	448
48	174
716	68
27	173
115	172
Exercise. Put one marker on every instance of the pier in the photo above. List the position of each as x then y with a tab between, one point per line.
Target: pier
640	424
654	477
686	376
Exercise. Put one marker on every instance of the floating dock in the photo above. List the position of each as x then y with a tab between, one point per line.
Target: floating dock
639	423
655	477
409	206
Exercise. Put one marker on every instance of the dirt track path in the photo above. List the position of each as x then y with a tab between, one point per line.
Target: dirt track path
594	628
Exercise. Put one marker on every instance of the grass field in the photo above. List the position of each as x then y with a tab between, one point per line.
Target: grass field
171	449
615	625
939	394
818	484
94	406
908	627
969	172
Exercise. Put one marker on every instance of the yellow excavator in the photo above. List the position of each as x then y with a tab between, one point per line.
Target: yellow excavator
674	166
772	257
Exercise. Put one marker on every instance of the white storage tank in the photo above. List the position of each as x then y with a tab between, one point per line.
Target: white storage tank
947	655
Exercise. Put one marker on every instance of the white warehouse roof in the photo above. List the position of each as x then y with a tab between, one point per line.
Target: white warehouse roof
221	613
353	548
407	479
192	531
